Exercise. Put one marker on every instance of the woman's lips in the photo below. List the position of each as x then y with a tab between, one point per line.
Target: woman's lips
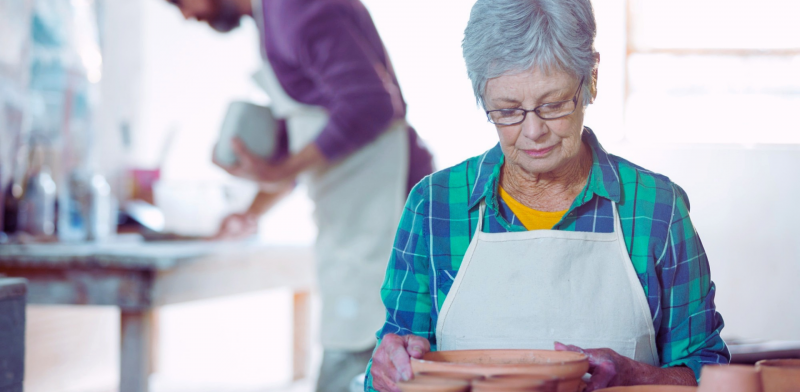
539	153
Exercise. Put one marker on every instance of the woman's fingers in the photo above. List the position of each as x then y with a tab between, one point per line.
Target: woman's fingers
392	360
402	364
383	383
602	366
398	356
603	374
417	346
568	347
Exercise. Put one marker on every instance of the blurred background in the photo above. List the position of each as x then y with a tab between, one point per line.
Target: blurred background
107	101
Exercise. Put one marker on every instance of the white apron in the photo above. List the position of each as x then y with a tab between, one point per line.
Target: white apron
358	203
530	289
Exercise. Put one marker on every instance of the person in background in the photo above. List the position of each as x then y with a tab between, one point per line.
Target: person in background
330	80
547	241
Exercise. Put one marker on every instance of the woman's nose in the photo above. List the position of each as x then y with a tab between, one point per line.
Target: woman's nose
534	127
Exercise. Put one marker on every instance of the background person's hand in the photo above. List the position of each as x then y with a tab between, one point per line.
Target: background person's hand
253	167
392	360
237	226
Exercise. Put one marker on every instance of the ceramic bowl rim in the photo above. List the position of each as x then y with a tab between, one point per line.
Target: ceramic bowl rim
578	357
778	363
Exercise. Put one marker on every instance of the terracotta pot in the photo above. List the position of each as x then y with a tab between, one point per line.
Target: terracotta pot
729	378
550	382
780	375
566	365
449	375
650	388
433	385
517	382
790	363
526	377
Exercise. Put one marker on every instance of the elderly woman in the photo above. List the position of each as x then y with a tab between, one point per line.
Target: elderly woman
546	238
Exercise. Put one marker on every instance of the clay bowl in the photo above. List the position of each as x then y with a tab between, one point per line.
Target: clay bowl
432	384
549	382
779	375
449	375
568	366
729	378
516	383
650	388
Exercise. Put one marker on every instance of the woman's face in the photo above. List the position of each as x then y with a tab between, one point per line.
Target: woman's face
537	146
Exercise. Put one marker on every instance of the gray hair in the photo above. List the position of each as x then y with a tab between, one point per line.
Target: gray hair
512	36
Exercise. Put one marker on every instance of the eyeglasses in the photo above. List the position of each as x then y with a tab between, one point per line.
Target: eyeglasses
547	111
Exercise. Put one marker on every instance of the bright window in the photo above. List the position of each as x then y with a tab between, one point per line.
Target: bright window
713	71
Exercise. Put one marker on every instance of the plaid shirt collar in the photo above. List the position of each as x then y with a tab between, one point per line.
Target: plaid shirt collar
604	180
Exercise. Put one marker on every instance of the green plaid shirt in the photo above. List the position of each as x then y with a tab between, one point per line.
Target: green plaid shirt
441	215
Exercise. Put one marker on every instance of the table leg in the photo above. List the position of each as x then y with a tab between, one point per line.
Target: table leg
301	327
135	351
154	340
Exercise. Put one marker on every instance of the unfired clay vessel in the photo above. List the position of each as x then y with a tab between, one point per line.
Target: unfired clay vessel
780	375
450	375
432	384
729	378
549	382
515	384
566	365
650	388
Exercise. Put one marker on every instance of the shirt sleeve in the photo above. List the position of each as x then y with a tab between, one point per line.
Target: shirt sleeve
690	329
343	64
406	291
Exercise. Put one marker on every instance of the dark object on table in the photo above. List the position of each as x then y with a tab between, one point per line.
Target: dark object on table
752	351
13	293
10	207
142	213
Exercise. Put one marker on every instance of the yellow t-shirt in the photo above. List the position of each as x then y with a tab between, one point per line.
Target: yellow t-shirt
530	218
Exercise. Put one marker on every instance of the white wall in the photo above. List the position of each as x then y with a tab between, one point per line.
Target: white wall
743	205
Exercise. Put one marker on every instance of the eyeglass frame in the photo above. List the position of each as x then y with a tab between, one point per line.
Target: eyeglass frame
535	110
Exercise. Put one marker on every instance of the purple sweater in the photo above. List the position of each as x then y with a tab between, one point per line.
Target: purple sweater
328	53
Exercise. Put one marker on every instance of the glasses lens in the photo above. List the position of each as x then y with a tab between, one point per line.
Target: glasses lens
556	109
506	116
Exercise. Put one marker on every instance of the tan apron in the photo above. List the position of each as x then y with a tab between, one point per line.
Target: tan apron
530	289
358	203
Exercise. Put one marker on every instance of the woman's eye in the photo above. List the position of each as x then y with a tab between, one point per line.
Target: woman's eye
509	112
553	107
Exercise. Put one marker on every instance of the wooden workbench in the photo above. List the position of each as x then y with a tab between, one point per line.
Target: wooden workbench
139	277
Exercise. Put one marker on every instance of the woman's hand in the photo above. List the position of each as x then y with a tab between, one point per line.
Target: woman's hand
392	360
605	365
609	369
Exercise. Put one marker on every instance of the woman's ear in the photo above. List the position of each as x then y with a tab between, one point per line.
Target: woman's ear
593	85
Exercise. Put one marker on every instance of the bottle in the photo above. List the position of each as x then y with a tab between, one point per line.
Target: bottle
10	207
73	211
36	214
86	208
101	224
